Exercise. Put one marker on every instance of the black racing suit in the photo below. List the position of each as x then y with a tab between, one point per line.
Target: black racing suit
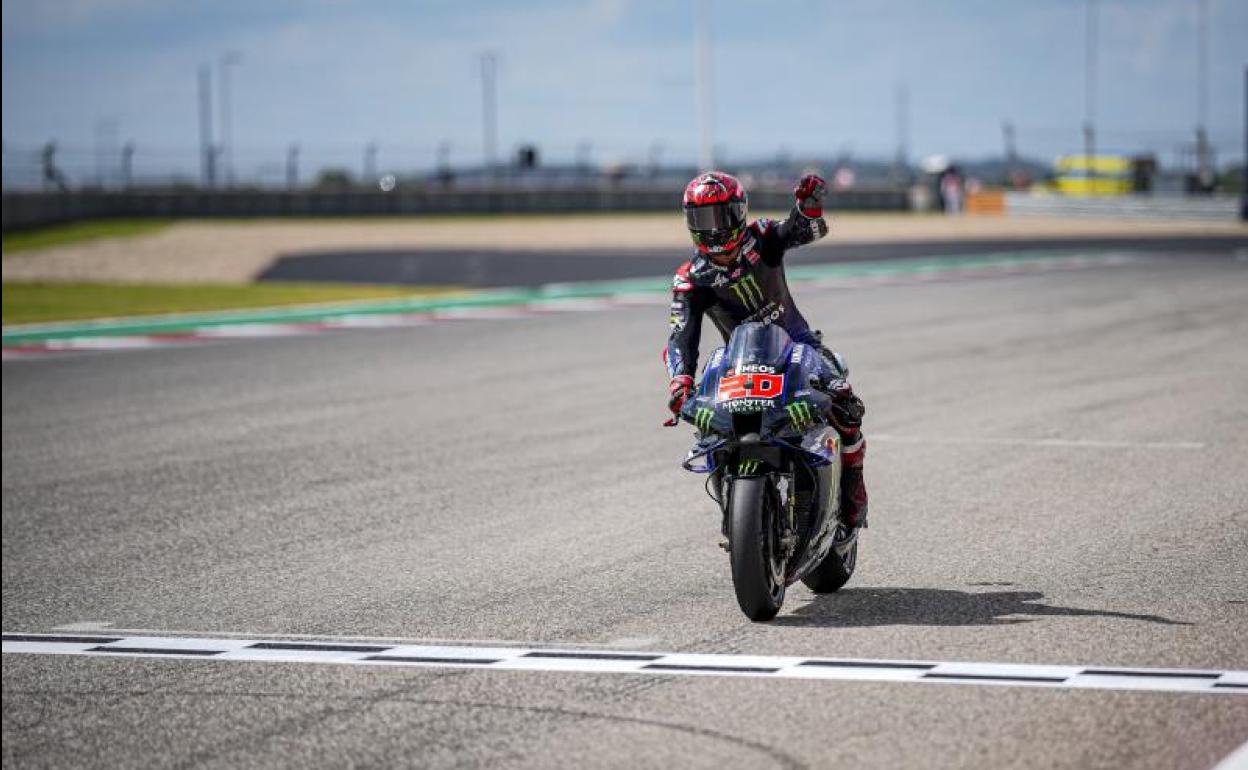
754	288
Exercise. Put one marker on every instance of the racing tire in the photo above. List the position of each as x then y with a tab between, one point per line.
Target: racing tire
753	547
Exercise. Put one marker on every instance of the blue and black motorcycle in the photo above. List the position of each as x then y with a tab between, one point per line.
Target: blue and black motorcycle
773	466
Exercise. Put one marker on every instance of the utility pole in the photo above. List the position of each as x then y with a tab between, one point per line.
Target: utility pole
489	109
1089	95
230	59
369	176
206	151
292	167
704	84
127	165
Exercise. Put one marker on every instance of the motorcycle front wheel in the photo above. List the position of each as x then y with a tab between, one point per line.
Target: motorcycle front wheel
754	547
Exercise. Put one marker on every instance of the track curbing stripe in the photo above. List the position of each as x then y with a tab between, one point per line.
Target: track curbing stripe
27	342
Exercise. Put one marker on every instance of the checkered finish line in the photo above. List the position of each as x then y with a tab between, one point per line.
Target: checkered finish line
1203	681
36	341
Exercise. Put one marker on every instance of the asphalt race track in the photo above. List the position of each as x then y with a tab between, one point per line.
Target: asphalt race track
1058	466
527	267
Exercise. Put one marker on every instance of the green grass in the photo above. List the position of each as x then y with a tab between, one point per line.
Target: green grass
78	232
43	302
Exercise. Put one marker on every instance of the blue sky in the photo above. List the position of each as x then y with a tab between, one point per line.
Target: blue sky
813	77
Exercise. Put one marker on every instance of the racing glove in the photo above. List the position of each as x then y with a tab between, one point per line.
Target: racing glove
809	193
846	408
681	388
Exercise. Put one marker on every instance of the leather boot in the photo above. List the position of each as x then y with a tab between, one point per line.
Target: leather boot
853	498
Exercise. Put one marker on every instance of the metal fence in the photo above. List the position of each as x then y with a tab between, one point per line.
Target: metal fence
1193	207
23	210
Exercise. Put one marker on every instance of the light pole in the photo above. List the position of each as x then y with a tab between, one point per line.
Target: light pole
292	166
704	84
444	162
229	59
127	165
206	152
1089	96
1011	151
583	153
105	146
489	109
1204	172
902	104
370	164
656	155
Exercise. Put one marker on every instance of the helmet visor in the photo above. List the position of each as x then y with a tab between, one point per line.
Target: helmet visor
720	216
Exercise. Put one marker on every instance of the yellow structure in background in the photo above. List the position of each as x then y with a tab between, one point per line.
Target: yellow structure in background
1085	175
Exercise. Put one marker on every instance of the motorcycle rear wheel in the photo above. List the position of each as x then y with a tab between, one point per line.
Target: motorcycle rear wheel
754	547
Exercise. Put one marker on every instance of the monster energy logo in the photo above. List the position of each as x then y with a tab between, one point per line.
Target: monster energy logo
800	414
748	467
702	419
748	293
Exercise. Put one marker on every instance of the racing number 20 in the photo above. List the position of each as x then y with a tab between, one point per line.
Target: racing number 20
751	386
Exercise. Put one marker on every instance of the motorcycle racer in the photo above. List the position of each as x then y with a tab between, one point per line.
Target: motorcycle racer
737	276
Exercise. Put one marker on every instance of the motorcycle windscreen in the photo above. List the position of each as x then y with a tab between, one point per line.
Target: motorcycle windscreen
757	347
753	371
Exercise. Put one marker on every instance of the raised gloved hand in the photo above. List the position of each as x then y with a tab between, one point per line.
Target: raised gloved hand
681	388
809	193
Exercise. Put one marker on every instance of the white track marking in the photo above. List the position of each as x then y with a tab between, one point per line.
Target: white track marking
379	321
571	305
1060	443
506	312
105	343
98	628
1236	760
283	650
641	300
228	331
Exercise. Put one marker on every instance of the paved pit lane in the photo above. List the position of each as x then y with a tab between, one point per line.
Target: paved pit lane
509	480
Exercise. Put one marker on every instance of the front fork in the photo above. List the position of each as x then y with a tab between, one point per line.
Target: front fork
784	490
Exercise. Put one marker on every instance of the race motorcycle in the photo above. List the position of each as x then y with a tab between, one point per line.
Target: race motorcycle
773	466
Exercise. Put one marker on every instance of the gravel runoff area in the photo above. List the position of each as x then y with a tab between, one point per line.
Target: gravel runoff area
1058	467
239	251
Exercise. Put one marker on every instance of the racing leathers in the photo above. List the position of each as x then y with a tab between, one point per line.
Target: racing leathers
753	288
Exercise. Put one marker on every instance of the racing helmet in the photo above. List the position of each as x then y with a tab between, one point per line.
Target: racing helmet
715	212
